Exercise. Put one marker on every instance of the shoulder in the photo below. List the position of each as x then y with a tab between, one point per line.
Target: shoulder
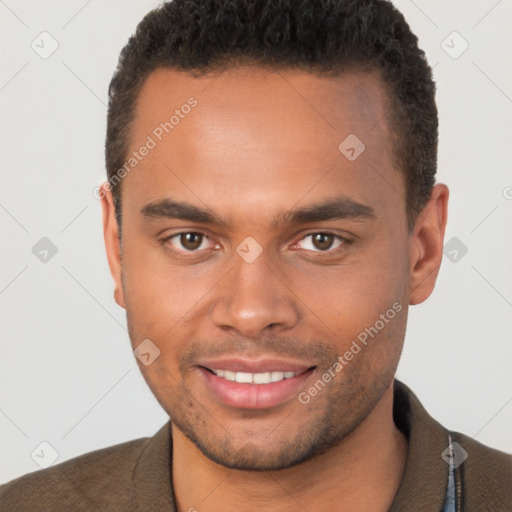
482	475
486	473
77	484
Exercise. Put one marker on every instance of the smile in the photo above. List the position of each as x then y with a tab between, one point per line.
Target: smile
253	378
245	384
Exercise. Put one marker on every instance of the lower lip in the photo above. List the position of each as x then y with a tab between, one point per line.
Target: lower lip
254	396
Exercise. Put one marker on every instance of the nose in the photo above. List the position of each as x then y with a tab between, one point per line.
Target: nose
253	298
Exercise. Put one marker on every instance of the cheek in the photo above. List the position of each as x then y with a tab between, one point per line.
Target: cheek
158	294
351	297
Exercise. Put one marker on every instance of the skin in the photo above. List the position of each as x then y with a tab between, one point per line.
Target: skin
259	144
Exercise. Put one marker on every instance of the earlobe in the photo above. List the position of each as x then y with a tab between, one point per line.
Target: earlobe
426	245
112	245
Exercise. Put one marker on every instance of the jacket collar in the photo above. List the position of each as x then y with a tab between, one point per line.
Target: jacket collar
425	478
152	477
423	485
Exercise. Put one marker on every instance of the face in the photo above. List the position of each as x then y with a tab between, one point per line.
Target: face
269	267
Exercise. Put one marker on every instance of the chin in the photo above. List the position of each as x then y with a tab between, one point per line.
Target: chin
266	454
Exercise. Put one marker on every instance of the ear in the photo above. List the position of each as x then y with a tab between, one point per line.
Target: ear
112	243
426	245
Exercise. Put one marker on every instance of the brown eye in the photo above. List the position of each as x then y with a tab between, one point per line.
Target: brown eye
323	241
191	241
188	243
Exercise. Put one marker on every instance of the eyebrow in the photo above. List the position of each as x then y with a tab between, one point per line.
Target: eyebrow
330	209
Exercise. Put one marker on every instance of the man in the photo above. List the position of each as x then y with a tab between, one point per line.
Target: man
270	214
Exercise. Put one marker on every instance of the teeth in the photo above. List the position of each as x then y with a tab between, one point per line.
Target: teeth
276	376
229	375
261	378
245	378
254	378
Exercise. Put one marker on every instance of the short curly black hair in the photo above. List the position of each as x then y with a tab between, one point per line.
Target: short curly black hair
319	36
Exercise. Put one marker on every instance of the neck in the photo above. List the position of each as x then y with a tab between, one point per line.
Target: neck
362	473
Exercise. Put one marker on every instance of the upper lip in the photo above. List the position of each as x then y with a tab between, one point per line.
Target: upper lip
239	364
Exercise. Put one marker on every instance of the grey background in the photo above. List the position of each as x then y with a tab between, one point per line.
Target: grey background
67	374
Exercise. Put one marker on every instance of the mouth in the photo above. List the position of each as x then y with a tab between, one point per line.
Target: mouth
249	384
253	378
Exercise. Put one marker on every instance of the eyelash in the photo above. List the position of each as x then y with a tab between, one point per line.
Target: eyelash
186	253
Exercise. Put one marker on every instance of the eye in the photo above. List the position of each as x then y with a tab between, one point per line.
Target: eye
321	242
188	242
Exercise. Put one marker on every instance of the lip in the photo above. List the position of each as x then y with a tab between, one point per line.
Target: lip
240	364
254	396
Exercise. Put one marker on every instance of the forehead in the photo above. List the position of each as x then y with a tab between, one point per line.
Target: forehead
255	133
355	99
